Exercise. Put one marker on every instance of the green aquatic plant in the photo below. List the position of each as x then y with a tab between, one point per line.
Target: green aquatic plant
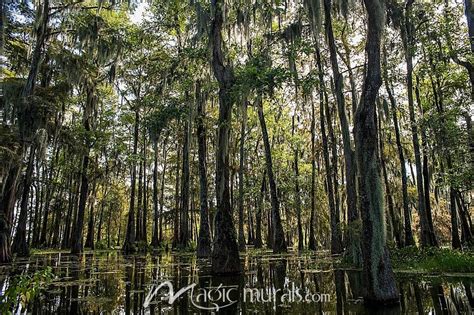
24	288
433	260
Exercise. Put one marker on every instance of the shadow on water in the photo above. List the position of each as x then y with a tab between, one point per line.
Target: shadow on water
110	283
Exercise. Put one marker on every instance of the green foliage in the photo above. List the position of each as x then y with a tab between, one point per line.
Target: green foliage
258	75
101	245
432	260
159	119
23	289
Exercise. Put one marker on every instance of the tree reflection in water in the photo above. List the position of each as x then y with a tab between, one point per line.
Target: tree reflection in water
110	283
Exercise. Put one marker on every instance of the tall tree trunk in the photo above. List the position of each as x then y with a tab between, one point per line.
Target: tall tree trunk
455	241
73	192
58	209
145	193
407	38
176	226
336	242
393	218
242	165
350	167
204	239
409	240
103	201
6	211
38	206
90	227
278	237
426	174
130	234
225	252
162	191
312	223
20	245
185	178
258	218
8	197
297	192
466	223
155	241
138	222
101	214
377	270
76	244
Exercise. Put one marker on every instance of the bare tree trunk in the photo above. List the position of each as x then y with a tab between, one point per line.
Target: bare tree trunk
103	201
278	241
312	223
392	218
466	223
336	242
350	167
455	241
258	217
130	234
409	240
242	157
204	238
155	241
177	199
377	270
77	246
184	214
90	227
138	222
20	245
145	193
162	192
74	191
407	38
297	192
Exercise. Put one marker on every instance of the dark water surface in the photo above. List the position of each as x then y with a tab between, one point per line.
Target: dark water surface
110	283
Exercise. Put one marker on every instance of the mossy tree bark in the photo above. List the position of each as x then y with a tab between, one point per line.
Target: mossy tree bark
378	275
225	252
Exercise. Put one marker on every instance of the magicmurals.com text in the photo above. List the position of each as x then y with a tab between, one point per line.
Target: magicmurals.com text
219	297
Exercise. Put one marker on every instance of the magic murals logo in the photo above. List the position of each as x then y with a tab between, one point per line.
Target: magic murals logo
214	298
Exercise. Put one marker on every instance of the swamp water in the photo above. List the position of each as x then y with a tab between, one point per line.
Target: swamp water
110	283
